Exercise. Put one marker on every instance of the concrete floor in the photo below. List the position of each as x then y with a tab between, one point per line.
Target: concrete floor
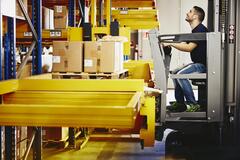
95	150
107	151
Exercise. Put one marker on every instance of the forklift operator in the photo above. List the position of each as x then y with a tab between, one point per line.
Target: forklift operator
183	88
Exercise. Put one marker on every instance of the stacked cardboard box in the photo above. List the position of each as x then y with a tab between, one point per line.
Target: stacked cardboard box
106	57
60	17
67	56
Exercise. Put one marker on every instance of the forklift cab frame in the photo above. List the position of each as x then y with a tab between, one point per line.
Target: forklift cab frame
213	75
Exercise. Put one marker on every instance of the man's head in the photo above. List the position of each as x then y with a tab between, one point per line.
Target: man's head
195	14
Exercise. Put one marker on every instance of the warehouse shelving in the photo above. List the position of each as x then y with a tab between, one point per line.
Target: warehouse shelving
35	38
7	41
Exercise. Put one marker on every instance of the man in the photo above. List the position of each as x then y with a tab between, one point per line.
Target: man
183	88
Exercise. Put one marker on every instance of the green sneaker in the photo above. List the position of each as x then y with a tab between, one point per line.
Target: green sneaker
193	108
177	107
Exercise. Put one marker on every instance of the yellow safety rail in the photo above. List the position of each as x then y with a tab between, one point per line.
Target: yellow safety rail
132	3
137	19
76	103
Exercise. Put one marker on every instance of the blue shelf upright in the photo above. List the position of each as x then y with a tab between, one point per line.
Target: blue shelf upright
37	67
71	16
9	51
37	23
71	23
10	73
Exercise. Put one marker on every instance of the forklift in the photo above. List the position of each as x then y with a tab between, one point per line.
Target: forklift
218	88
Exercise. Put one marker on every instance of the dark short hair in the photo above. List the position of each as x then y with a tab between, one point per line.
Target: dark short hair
200	12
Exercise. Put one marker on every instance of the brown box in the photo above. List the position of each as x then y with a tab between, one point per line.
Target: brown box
60	17
67	56
54	133
103	56
111	57
18	9
91	56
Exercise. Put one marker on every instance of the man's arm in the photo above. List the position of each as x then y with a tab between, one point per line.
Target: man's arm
186	47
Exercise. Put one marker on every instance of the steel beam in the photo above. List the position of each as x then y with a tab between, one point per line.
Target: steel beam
8	86
132	4
139	24
137	19
67	98
120	116
81	85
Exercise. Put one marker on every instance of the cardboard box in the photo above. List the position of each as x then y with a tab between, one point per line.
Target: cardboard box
60	17
112	57
67	56
91	56
103	57
18	9
54	133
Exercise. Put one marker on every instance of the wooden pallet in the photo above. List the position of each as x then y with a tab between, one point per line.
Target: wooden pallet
82	75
